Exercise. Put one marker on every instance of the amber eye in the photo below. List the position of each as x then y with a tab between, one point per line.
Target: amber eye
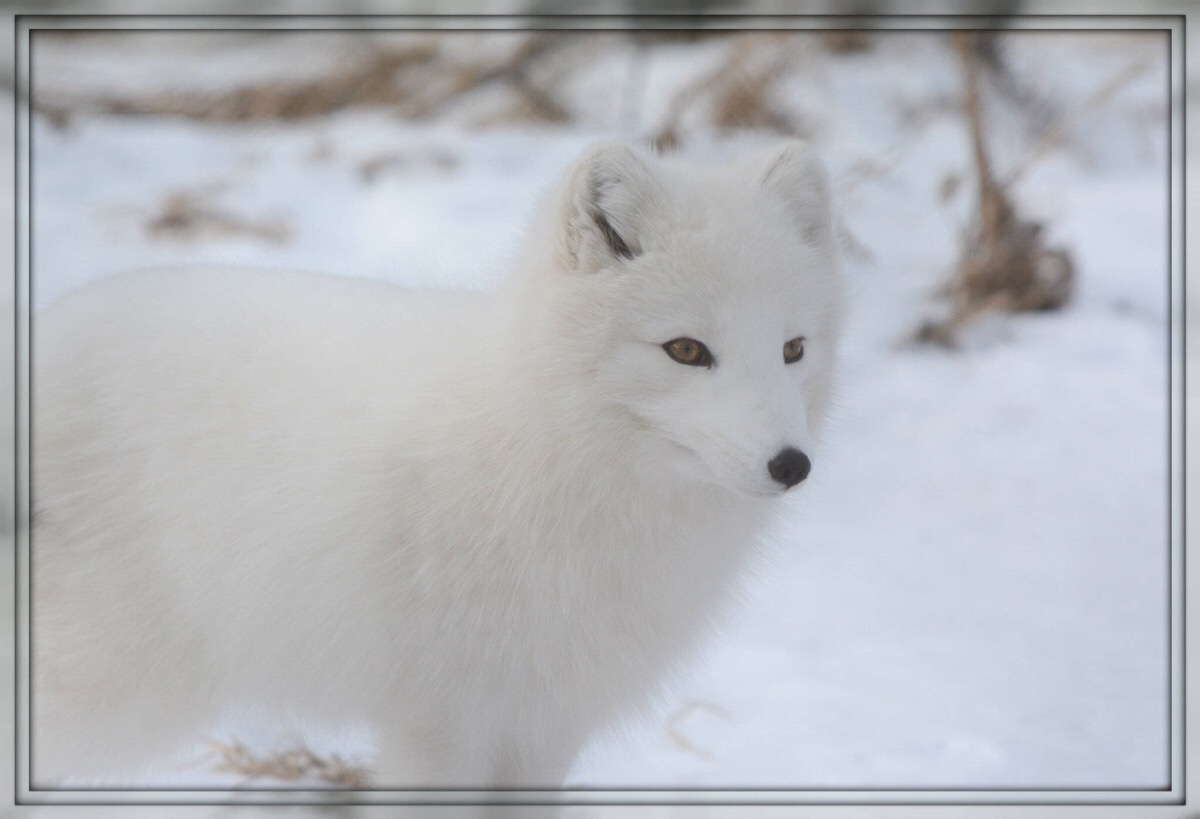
689	351
793	350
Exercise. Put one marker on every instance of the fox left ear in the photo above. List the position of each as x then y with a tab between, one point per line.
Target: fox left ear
609	192
794	172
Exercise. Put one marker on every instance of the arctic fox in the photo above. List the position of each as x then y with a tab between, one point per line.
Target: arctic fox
487	524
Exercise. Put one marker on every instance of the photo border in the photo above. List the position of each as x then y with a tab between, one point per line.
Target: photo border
1175	795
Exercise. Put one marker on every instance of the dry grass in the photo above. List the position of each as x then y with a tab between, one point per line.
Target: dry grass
743	98
740	92
288	766
369	82
416	80
188	215
424	77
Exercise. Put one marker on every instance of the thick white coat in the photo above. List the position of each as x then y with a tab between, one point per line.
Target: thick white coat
488	524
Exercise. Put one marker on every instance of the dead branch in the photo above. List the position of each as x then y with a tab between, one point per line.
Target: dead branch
1004	265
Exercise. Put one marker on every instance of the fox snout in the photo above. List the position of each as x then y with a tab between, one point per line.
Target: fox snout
789	467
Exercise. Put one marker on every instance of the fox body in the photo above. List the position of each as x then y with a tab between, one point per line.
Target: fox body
486	523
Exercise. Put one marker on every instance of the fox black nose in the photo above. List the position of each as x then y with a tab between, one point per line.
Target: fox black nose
789	467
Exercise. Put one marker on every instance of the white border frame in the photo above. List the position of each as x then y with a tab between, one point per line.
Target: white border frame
899	803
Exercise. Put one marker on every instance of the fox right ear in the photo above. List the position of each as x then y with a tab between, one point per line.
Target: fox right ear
608	195
797	176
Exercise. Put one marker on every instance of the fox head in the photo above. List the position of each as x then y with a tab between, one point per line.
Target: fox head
701	303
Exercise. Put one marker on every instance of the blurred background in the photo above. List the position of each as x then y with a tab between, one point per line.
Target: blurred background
974	591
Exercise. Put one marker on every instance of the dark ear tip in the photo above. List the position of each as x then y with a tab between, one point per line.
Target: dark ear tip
610	168
612	239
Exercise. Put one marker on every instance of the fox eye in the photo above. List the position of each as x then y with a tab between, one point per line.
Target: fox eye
689	351
793	350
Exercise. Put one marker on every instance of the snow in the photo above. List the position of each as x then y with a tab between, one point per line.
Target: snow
974	590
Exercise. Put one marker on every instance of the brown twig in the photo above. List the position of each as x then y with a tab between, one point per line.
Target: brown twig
1056	130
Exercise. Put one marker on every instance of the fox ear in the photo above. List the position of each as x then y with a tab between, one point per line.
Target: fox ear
795	174
608	195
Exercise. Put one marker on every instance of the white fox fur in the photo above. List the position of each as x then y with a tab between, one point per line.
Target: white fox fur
488	524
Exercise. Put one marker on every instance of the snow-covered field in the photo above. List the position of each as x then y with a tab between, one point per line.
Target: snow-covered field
974	590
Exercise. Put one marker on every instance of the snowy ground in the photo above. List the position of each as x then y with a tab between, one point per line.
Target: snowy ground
974	591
